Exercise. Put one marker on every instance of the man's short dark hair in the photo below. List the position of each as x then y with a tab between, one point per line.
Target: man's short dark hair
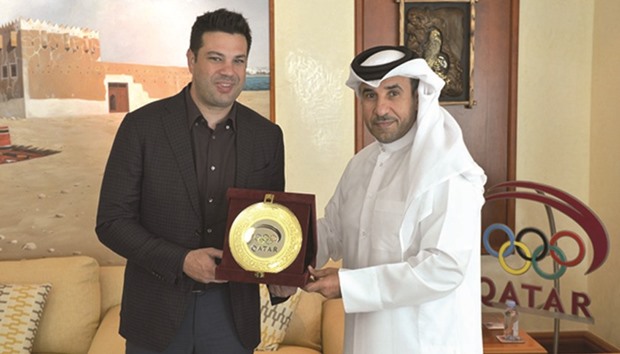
220	20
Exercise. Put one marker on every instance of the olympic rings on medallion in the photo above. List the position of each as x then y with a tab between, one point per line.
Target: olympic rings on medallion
547	276
542	237
506	267
487	245
533	259
265	239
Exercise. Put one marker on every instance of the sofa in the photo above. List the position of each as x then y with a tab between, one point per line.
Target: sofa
81	308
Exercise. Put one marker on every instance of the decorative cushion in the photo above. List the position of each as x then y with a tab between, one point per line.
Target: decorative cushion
73	308
275	319
21	307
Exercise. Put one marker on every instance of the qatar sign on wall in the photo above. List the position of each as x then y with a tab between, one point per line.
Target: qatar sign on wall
539	300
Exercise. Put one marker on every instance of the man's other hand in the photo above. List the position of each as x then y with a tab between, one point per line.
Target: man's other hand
326	282
282	290
200	264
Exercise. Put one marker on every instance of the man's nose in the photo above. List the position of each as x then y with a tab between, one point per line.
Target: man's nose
382	107
226	68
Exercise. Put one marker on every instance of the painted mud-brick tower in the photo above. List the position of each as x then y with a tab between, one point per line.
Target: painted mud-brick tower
46	66
50	70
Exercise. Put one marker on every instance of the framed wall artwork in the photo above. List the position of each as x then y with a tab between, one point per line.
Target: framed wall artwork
442	32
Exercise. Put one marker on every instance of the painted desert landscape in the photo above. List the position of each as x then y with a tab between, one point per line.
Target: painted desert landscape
48	204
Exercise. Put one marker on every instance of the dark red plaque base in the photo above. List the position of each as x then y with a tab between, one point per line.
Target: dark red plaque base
296	274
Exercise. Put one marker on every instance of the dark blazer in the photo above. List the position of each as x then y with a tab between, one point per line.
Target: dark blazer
149	213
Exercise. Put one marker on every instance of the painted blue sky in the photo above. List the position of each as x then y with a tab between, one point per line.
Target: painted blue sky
153	32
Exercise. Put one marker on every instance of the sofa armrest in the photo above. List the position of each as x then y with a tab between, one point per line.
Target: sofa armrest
107	340
332	326
111	279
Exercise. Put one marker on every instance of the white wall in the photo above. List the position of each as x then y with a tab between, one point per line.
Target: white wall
605	169
314	44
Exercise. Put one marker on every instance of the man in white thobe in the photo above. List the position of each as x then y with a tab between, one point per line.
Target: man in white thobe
405	219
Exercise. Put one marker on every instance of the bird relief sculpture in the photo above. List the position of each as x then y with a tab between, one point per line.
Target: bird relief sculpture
437	36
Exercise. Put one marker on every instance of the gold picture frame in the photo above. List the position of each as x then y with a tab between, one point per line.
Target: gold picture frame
442	32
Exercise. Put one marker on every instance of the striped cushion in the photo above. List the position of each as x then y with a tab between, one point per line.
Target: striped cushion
21	307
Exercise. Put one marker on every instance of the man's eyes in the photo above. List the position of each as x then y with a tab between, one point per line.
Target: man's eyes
220	59
372	95
369	95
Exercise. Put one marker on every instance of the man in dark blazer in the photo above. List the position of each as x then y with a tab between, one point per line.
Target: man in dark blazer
163	201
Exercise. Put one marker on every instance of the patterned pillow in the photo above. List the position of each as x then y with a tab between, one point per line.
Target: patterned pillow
274	319
21	306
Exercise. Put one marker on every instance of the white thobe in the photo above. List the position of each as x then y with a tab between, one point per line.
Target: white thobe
412	286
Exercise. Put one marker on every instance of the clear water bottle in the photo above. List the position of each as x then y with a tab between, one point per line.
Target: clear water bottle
511	322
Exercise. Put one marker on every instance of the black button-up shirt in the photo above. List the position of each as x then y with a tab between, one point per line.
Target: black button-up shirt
215	162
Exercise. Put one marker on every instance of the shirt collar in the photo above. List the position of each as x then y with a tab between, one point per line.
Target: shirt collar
193	113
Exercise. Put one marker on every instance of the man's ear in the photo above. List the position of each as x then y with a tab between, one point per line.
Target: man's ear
191	59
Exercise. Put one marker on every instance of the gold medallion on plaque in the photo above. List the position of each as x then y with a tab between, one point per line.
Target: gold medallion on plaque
265	237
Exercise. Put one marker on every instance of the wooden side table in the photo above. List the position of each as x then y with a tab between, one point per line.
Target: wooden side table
491	345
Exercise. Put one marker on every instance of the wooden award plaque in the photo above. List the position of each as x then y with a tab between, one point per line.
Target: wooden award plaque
270	237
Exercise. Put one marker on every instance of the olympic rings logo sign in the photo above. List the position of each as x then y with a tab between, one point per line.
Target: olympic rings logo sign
551	198
560	201
532	259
